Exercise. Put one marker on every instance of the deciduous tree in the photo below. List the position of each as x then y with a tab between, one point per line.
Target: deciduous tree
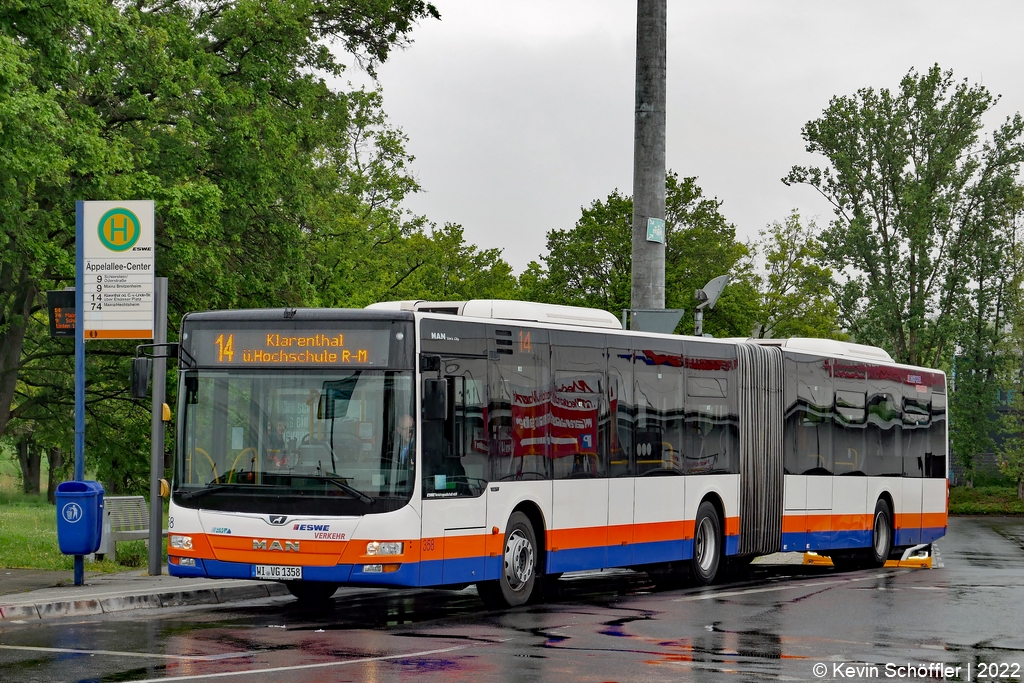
796	288
915	188
589	264
221	111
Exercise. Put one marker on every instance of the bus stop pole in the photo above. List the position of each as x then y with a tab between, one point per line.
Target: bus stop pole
156	451
79	362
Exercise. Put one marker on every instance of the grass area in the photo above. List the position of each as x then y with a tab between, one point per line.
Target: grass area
985	500
28	539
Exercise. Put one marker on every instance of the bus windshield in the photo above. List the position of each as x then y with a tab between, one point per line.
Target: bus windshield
296	442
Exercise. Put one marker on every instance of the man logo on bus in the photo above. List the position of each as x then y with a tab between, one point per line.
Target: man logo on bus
119	229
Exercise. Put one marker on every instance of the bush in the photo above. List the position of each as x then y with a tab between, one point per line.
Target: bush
985	500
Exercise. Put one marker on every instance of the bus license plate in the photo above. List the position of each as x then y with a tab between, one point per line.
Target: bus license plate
276	572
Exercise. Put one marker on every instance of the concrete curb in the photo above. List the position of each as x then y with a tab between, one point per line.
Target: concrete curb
120	601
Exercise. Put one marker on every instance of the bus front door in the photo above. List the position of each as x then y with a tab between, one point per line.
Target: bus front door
454	509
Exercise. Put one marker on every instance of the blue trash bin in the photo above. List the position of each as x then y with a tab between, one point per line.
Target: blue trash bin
79	516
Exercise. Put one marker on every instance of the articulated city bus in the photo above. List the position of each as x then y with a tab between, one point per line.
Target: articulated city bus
503	443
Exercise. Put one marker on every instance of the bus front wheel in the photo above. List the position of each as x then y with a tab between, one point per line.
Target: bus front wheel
518	566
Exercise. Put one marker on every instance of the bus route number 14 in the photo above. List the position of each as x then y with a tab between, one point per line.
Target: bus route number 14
225	348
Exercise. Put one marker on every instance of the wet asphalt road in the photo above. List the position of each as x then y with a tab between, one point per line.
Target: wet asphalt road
776	624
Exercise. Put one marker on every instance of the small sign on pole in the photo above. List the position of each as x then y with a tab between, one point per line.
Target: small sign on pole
656	230
119	269
61	305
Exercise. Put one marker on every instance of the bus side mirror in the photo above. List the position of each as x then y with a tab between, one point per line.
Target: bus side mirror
435	399
142	368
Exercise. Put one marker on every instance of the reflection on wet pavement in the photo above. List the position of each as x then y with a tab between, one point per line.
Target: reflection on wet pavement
768	624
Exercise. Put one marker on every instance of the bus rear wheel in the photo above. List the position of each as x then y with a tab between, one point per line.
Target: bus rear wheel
707	544
881	535
518	566
881	543
311	592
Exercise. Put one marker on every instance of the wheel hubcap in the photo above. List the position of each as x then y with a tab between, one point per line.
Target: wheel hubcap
704	543
518	560
881	534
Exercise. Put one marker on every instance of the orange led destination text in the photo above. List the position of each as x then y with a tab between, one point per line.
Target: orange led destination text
279	348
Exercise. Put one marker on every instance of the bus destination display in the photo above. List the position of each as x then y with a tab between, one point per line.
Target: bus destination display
291	348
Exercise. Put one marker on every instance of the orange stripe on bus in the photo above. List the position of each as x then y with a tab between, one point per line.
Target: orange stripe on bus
931	520
652	532
580	537
732	526
851	522
801	523
908	520
620	534
457	547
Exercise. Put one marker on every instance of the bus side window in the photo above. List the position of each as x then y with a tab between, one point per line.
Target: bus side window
935	458
577	427
519	403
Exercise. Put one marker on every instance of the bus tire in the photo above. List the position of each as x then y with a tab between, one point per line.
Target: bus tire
518	566
707	544
311	592
881	535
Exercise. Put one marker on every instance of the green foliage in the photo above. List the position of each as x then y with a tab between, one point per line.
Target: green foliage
1011	451
919	199
985	500
271	188
795	291
590	264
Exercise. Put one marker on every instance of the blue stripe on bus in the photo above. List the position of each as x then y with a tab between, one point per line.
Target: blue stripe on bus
217	569
732	544
178	570
660	551
850	538
471	570
576	559
407	575
835	540
908	536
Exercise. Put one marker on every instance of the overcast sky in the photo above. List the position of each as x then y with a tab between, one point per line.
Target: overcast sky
519	112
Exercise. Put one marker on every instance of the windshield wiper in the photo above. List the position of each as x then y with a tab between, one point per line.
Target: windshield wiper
212	488
351	490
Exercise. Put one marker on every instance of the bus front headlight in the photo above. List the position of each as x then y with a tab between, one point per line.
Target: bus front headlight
386	548
181	542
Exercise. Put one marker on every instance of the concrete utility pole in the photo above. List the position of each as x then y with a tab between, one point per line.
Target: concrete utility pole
156	449
648	290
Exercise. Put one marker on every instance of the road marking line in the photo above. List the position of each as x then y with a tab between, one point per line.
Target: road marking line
117	653
769	589
301	667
